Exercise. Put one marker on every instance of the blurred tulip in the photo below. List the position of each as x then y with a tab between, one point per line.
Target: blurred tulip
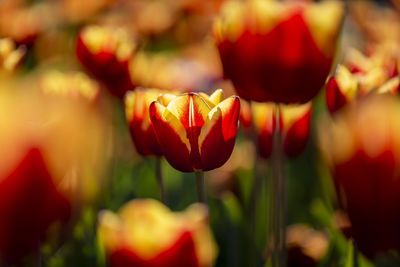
279	51
306	246
137	114
48	169
78	11
10	55
196	131
146	233
73	84
106	53
362	146
294	125
245	115
344	87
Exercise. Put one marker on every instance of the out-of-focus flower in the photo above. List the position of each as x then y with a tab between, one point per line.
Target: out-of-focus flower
344	87
294	126
146	233
72	84
22	24
362	146
245	115
194	68
278	51
10	55
196	131
106	52
48	168
306	246
137	115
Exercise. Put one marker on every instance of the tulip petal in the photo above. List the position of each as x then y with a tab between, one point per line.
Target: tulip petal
218	135
171	136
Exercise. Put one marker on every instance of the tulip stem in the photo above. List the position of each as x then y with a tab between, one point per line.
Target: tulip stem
201	187
160	180
355	254
279	196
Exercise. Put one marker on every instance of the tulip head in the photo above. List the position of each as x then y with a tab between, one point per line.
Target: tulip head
147	233
362	146
137	114
294	126
345	87
196	131
278	51
105	52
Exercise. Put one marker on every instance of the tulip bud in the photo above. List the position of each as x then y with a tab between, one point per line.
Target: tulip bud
279	51
106	52
147	233
196	131
362	147
137	114
294	126
48	168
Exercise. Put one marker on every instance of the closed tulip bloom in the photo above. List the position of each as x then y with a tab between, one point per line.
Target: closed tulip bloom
345	87
196	131
105	52
295	121
146	233
137	114
279	51
362	146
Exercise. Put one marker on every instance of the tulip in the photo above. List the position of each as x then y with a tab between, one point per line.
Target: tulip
137	114
47	169
196	132
105	52
295	123
279	51
345	87
146	233
362	147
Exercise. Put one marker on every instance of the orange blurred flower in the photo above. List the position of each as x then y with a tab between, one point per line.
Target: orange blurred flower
137	114
196	131
48	168
278	51
362	146
147	233
106	52
294	125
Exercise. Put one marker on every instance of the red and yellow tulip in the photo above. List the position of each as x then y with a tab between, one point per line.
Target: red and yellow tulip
295	123
146	233
137	114
196	131
362	146
105	52
279	51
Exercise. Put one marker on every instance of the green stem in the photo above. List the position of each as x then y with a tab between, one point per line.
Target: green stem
201	187
160	180
279	196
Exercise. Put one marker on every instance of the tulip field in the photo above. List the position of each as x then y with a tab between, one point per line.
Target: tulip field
199	133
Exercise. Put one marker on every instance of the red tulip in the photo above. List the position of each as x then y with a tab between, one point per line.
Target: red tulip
279	51
106	52
137	114
344	87
362	146
294	125
145	233
196	131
